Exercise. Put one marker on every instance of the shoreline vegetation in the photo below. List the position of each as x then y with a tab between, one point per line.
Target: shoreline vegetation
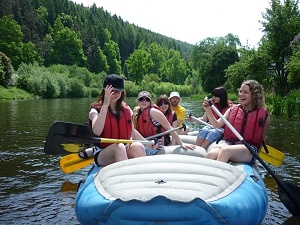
287	106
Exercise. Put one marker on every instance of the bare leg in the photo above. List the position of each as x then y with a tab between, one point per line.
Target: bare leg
199	141
235	153
213	154
136	150
205	144
112	153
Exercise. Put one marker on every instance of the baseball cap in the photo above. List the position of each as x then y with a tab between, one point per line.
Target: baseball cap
144	94
115	80
174	94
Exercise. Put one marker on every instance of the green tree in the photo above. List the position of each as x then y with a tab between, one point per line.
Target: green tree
282	22
158	56
6	70
66	49
111	50
293	66
222	56
251	65
138	65
11	40
175	68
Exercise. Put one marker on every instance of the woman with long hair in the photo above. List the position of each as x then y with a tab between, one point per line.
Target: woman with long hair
250	118
207	134
110	117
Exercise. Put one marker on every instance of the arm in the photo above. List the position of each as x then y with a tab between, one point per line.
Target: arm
98	121
162	120
213	121
267	126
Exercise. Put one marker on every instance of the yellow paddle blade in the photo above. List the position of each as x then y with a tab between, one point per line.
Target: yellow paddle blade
73	147
73	162
274	157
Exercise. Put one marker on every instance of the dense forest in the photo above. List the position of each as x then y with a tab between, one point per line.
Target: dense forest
55	48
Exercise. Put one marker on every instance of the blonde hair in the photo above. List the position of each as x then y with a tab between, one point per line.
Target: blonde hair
257	93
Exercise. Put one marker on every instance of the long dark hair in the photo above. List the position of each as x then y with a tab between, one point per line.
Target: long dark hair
164	98
118	103
222	94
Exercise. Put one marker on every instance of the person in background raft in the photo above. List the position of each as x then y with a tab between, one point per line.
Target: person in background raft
148	120
110	117
179	110
208	134
250	118
165	106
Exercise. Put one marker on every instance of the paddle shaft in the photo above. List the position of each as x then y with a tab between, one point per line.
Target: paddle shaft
164	133
71	163
201	121
283	186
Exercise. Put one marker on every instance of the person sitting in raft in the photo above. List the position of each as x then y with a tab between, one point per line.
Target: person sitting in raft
208	134
179	110
147	119
250	118
165	106
110	117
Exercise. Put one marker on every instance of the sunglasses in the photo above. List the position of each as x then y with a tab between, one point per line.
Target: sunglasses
163	103
144	99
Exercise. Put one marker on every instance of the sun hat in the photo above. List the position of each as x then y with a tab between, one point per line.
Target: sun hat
115	80
174	94
144	94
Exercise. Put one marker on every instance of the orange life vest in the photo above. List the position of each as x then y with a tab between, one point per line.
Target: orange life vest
113	128
221	110
249	124
170	119
146	126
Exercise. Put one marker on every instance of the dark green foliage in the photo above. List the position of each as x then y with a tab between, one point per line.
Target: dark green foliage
278	105
6	70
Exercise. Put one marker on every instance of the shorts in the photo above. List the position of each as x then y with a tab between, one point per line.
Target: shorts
150	151
210	134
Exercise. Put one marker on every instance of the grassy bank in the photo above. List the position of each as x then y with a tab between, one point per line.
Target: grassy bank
13	93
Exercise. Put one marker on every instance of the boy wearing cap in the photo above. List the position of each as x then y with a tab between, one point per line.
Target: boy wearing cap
179	110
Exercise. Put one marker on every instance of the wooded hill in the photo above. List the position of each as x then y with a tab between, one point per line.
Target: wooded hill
94	27
62	32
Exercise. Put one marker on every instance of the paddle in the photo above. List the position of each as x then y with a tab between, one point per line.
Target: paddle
289	193
268	154
62	133
73	162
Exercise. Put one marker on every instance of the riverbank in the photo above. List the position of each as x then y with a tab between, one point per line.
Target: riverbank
13	93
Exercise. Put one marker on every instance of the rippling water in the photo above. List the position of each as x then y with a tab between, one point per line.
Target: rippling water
35	191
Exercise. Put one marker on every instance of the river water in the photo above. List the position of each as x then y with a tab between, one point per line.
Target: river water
35	191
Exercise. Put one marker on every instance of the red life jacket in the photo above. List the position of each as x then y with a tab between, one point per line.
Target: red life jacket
113	128
145	124
170	119
221	110
249	124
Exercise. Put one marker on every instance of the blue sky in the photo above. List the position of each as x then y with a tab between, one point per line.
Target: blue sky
192	20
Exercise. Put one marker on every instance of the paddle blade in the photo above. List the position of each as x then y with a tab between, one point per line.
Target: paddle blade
63	133
71	163
273	157
293	203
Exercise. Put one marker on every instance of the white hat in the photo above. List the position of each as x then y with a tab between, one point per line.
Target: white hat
174	94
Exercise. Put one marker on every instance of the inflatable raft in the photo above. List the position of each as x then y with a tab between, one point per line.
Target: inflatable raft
175	186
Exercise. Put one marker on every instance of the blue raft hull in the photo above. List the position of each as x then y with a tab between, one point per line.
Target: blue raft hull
247	204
